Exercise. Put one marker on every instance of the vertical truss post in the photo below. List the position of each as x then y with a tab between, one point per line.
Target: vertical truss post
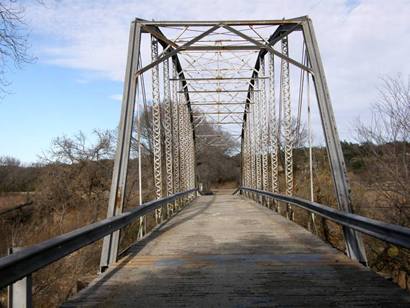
188	148
258	136
287	111
246	159
273	129
175	130
264	124
243	161
168	133
182	139
116	200
248	154
354	244
252	134
156	127
242	180
192	155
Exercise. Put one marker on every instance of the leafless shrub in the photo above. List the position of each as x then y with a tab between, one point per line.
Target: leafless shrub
13	38
385	151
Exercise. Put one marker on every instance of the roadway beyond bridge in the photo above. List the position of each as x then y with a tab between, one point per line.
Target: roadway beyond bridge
225	250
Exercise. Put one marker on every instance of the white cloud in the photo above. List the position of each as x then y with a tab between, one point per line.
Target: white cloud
116	97
359	40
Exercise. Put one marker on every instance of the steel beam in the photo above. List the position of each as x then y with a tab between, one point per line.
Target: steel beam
395	234
116	201
264	127
216	103
218	123
354	244
175	129
273	128
214	113
269	48
205	136
222	48
209	23
175	51
158	34
31	259
168	132
156	127
287	111
221	78
218	91
279	33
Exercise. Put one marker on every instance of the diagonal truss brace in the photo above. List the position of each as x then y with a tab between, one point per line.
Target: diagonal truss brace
176	50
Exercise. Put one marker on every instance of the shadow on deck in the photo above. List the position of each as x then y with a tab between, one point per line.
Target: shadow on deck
226	251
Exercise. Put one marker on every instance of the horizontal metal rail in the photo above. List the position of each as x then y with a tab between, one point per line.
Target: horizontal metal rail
218	91
208	23
33	258
394	234
217	78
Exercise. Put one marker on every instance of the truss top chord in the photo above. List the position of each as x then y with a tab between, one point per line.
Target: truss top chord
209	23
218	91
219	78
217	113
230	135
219	123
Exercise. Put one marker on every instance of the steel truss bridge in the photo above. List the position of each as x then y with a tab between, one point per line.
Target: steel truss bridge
253	80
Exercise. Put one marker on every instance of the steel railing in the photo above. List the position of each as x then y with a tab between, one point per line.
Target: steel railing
33	258
394	234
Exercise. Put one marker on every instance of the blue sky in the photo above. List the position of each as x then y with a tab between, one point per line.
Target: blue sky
47	101
81	46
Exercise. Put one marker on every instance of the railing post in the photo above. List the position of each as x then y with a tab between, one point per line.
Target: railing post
20	292
354	244
116	201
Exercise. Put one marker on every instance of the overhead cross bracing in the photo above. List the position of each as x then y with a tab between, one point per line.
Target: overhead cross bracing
253	81
217	67
244	78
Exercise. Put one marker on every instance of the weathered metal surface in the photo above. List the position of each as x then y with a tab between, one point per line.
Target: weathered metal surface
354	243
156	127
198	23
227	251
109	250
33	258
394	234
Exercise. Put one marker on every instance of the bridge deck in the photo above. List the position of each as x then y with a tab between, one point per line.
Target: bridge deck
226	251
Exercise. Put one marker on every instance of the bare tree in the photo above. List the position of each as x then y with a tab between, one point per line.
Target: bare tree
70	150
77	176
386	148
390	114
217	156
8	161
385	151
13	38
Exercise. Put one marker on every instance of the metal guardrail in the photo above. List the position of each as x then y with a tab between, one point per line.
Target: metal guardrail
33	258
394	234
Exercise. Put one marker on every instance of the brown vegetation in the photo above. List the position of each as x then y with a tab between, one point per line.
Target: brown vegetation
70	189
